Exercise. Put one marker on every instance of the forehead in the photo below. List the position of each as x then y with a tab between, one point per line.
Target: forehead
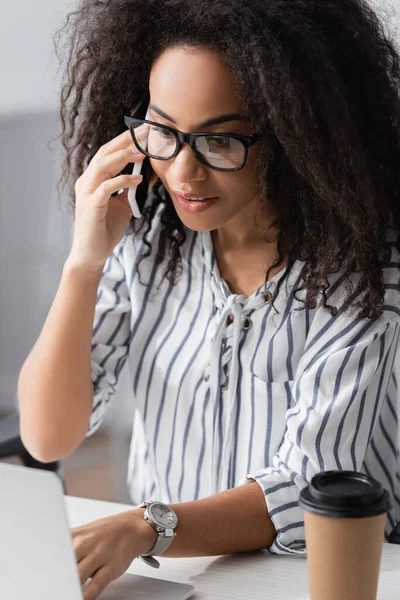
192	85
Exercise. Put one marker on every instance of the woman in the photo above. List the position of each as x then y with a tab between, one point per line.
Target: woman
257	299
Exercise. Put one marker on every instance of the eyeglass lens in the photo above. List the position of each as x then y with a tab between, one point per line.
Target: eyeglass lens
222	152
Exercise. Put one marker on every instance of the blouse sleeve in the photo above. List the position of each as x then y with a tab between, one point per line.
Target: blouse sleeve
339	388
110	339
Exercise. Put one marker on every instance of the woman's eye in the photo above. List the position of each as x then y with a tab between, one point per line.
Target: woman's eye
163	132
218	142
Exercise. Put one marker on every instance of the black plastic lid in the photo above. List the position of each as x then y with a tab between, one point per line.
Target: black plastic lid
344	494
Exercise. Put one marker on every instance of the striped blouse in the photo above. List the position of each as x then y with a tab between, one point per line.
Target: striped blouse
227	387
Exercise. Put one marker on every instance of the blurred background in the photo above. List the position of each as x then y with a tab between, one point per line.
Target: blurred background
36	228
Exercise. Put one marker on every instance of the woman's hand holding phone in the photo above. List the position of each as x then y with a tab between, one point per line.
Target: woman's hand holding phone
100	218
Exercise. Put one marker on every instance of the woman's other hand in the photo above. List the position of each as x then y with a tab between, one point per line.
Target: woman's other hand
105	548
100	218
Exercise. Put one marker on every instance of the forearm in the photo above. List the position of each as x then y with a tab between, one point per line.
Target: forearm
232	521
55	388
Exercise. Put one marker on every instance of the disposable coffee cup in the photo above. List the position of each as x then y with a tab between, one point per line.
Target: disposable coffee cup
344	519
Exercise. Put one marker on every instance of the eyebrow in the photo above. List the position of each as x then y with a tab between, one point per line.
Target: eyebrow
208	122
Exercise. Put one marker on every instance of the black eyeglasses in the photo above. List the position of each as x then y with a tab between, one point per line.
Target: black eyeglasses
217	151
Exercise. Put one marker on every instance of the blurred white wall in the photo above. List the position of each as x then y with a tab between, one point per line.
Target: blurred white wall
34	237
28	66
35	232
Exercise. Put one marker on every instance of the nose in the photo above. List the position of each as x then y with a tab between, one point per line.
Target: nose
185	166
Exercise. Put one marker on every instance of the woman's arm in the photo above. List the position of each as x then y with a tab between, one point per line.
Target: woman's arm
68	378
55	390
232	521
339	393
235	520
55	387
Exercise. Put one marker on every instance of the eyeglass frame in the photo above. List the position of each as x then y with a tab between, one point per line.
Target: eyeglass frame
190	139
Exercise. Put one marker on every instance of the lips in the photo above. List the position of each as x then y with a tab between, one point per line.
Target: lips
192	203
192	197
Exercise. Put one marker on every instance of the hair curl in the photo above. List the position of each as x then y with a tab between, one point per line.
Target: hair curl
323	74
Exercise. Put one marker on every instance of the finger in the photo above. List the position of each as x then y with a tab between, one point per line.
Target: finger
103	193
100	580
117	143
109	166
80	552
87	567
78	542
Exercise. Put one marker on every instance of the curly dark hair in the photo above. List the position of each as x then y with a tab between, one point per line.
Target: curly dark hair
322	74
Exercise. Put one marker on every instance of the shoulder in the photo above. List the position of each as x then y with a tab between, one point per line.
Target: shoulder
342	291
392	252
345	285
391	272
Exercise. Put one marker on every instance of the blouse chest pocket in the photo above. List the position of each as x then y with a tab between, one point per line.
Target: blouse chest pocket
267	405
275	392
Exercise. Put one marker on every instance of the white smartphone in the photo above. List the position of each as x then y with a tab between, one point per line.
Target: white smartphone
137	194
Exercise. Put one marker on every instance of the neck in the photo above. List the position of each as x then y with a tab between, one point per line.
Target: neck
247	230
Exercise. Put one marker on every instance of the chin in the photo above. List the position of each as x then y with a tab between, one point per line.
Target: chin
197	223
208	220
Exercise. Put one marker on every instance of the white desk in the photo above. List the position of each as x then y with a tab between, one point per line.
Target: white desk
255	575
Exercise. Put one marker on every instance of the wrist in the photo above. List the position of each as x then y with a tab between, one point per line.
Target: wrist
144	530
81	272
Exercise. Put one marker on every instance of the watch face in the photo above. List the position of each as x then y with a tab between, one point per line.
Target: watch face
163	515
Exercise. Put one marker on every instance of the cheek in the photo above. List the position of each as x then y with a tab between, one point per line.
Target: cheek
251	174
251	169
159	167
246	181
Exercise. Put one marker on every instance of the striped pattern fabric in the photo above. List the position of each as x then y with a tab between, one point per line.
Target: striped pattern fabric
227	388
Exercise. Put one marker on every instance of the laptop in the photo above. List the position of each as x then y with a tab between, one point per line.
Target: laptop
37	560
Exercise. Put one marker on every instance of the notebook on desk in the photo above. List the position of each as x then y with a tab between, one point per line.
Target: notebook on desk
136	587
37	561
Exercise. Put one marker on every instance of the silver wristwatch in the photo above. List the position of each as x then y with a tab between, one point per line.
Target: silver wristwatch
164	520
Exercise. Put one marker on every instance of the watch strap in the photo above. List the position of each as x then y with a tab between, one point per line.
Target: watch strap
151	561
161	545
